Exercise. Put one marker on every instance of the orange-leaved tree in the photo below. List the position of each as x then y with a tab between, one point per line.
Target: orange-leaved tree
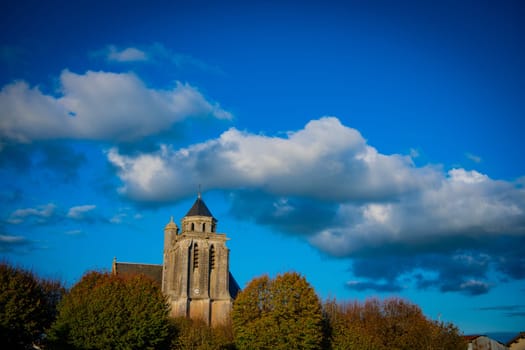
392	323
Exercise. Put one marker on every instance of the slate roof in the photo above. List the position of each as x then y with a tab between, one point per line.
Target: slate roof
199	208
152	271
234	288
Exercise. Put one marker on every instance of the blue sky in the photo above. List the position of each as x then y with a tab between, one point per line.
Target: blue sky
375	146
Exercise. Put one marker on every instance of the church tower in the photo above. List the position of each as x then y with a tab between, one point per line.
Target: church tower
196	275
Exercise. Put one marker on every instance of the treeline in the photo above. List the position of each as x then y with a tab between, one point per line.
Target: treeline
104	311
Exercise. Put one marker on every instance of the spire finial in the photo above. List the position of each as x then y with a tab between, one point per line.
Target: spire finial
199	193
171	219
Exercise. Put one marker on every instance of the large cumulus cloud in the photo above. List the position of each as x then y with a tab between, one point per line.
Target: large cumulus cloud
349	200
98	106
463	204
324	161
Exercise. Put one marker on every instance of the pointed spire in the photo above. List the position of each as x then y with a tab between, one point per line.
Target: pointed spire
199	208
171	224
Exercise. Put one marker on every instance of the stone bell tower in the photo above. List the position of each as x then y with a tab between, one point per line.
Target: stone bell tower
195	275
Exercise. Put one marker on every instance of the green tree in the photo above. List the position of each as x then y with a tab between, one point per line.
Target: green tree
283	313
104	311
27	306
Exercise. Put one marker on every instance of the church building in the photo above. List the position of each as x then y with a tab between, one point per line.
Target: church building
195	274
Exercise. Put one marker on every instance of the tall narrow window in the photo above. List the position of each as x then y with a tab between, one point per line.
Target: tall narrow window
212	258
204	227
195	256
192	227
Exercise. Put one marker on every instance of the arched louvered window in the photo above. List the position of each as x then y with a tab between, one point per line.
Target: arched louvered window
195	256
212	258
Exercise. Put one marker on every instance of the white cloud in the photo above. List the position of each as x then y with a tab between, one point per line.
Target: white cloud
124	215
325	160
79	212
473	157
10	243
117	219
382	200
470	177
157	54
99	106
8	239
464	204
130	54
42	213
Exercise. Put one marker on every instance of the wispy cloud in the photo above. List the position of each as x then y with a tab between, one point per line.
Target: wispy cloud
41	213
50	214
516	310
123	214
372	285
502	307
473	157
79	212
74	232
10	243
129	54
156	54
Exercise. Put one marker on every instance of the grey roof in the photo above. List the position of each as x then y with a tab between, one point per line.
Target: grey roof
152	271
234	288
199	208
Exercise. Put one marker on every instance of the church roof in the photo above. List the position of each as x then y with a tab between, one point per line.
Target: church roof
199	208
152	271
234	288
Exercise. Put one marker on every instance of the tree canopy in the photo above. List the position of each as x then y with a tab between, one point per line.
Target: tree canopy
280	313
27	306
389	324
197	335
105	311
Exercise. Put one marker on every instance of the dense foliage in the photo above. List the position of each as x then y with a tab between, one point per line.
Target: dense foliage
27	306
280	313
392	324
196	335
104	311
